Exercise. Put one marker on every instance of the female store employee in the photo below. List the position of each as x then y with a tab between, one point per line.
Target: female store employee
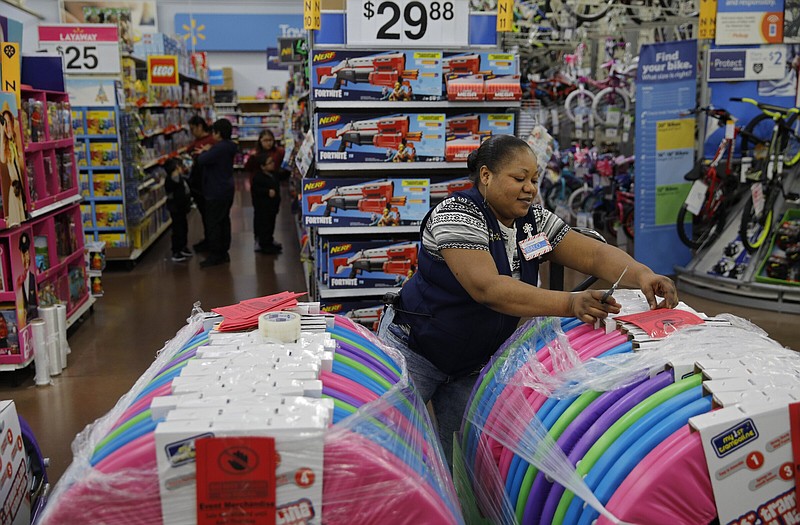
477	275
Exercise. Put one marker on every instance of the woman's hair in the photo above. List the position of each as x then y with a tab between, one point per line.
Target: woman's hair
494	153
197	120
264	133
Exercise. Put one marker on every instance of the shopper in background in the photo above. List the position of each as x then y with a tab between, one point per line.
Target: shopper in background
179	202
201	132
216	163
266	145
477	275
265	189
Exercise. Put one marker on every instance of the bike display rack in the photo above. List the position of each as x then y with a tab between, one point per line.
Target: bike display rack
695	278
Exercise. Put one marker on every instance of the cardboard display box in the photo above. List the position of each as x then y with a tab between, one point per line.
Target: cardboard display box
363	75
355	202
371	264
409	137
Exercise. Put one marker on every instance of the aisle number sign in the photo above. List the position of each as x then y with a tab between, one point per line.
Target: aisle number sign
708	20
505	16
311	14
408	23
11	69
162	70
86	48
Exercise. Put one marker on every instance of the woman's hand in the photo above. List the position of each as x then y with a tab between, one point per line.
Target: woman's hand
272	194
587	307
653	284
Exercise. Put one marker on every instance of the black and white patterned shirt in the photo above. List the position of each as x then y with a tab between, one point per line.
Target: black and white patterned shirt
458	223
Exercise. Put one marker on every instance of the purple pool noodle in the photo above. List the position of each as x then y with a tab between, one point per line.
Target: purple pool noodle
367	360
182	358
619	409
359	357
541	486
335	394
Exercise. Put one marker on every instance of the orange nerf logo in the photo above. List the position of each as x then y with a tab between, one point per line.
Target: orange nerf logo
330	119
315	185
324	57
341	248
332	308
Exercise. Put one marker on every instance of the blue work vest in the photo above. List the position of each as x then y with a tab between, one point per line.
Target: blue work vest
448	327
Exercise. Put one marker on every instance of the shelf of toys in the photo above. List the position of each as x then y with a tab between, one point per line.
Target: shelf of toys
41	237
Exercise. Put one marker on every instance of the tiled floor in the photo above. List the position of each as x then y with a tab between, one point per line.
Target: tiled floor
145	307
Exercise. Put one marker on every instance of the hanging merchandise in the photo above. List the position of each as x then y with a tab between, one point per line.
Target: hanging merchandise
342	423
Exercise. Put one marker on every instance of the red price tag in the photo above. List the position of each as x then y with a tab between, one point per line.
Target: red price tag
235	480
162	70
794	431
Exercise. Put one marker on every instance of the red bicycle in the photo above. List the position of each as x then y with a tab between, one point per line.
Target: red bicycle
702	216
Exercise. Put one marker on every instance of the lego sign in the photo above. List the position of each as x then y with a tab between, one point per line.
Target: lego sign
86	48
162	70
410	23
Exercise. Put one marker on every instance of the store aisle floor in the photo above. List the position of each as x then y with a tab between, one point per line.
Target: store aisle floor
141	310
145	307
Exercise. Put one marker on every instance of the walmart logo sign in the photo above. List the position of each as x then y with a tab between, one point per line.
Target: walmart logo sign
216	32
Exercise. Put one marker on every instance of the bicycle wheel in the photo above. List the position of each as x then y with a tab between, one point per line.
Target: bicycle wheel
703	232
588	10
682	8
791	153
628	224
603	216
756	137
644	11
754	229
579	102
576	198
557	196
608	99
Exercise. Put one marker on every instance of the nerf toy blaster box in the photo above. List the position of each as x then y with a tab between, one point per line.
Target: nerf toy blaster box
364	75
410	137
440	190
355	202
479	76
366	313
466	132
371	264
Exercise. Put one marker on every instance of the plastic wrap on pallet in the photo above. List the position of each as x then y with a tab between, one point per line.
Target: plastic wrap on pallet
538	360
382	462
85	494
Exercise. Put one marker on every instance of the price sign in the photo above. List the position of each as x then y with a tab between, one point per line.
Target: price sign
86	48
408	23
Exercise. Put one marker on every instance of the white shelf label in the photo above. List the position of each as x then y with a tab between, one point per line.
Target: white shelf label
411	23
696	197
92	48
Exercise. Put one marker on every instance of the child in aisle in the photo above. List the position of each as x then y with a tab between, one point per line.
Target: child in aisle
179	202
265	190
216	163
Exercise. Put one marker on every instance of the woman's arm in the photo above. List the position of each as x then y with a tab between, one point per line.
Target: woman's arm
592	257
477	272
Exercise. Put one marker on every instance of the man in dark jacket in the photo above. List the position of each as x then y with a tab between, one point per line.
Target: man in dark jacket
201	132
216	163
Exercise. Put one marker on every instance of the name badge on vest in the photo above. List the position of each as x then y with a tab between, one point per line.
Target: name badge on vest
535	245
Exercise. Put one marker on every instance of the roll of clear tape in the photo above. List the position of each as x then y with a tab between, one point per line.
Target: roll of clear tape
281	326
50	316
41	358
62	332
